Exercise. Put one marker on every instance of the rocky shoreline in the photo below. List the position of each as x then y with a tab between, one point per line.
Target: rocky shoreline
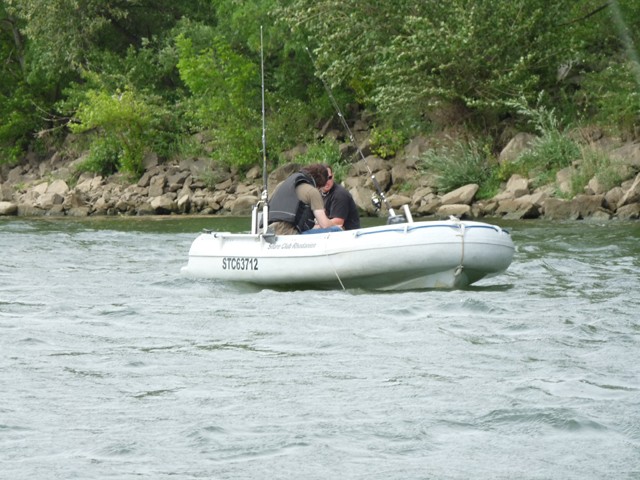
50	187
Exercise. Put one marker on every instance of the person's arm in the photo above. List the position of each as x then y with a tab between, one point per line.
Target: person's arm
337	221
338	206
324	221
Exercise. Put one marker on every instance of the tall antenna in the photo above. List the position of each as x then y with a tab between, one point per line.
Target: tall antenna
264	127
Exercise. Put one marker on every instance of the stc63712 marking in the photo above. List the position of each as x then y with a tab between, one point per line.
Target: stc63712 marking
239	263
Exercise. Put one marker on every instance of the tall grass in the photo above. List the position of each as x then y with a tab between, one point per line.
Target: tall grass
460	164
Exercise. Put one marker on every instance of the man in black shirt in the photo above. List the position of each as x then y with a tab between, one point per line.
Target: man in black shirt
339	204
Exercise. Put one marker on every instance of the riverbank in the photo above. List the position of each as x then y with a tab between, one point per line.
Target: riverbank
51	187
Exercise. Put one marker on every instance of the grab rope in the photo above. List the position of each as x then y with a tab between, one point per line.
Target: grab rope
335	272
460	225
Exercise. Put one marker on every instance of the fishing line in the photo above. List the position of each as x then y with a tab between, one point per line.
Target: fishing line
380	193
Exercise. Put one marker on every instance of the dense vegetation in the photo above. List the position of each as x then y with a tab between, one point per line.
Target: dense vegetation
183	78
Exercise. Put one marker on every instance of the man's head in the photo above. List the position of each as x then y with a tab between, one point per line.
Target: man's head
318	172
330	180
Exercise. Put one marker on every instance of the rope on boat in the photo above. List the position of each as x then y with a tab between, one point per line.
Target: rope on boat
461	226
335	272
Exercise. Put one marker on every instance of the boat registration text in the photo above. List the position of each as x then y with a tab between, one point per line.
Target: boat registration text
239	263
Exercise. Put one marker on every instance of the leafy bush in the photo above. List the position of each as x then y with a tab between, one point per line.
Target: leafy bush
387	142
19	121
546	157
595	163
550	152
326	152
612	97
123	118
458	165
104	156
225	88
321	152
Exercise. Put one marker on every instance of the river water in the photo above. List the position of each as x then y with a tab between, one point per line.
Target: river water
112	365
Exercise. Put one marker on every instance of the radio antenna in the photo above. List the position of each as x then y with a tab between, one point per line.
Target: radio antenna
264	127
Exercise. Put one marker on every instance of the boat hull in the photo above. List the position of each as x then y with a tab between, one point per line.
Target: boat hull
417	255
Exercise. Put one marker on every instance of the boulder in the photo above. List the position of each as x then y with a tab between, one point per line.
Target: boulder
612	197
59	187
518	144
430	207
559	209
163	204
401	174
517	209
629	212
362	198
243	205
414	150
362	167
456	210
48	200
563	179
254	173
383	177
156	185
184	202
627	155
8	208
462	195
632	195
518	186
6	192
78	212
397	200
587	205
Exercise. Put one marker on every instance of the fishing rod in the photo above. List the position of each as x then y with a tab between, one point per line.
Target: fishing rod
264	198
376	198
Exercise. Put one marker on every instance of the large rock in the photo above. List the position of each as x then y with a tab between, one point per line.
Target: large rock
89	184
456	210
612	197
414	150
517	208
8	208
243	205
156	185
632	195
462	195
383	177
59	187
6	192
163	204
629	212
627	155
563	179
516	146
397	201
48	200
362	198
558	209
517	186
373	163
401	174
78	212
588	205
